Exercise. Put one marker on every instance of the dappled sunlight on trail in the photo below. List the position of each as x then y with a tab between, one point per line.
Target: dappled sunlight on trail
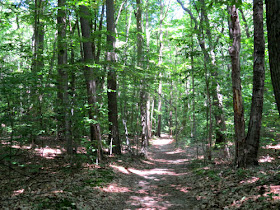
160	181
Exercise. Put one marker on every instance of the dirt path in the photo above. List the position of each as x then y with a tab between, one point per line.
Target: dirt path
160	182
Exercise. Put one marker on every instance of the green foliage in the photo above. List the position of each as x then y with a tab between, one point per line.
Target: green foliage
56	204
100	177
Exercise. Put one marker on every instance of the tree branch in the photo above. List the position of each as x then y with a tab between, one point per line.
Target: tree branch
189	12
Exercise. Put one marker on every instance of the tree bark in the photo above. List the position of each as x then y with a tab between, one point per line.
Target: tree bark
273	34
64	124
112	79
234	51
143	98
217	100
37	66
91	79
253	135
159	64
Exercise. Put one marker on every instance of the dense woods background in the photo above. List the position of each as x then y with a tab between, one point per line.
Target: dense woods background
96	78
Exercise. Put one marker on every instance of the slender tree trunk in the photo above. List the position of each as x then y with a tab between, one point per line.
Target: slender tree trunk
159	106
234	51
143	99
217	100
147	27
152	115
160	63
112	79
245	23
64	124
37	66
273	31
170	120
90	79
253	135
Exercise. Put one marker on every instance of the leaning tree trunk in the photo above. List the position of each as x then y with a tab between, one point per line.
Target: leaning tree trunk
90	78
273	34
234	51
253	135
112	79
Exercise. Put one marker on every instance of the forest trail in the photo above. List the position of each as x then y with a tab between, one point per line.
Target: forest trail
162	181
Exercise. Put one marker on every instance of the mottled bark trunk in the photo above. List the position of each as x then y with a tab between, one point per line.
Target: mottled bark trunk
112	79
273	32
90	78
253	135
234	51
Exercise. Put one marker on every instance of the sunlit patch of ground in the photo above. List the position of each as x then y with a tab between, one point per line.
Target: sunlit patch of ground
177	151
155	171
272	146
172	162
149	202
116	189
266	159
120	169
274	192
250	180
165	140
17	192
48	153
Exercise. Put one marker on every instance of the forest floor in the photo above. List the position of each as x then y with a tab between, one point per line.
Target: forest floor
168	178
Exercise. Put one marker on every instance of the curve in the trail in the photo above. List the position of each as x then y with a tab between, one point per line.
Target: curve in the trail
161	182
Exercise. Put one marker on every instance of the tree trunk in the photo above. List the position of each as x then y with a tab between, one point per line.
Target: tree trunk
143	99
159	64
90	79
112	79
217	101
273	34
234	51
37	66
64	123
253	135
217	98
170	110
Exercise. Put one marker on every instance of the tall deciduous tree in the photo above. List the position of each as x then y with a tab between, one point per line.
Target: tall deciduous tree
64	131
90	78
234	51
143	98
273	32
112	79
210	61
253	135
37	67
